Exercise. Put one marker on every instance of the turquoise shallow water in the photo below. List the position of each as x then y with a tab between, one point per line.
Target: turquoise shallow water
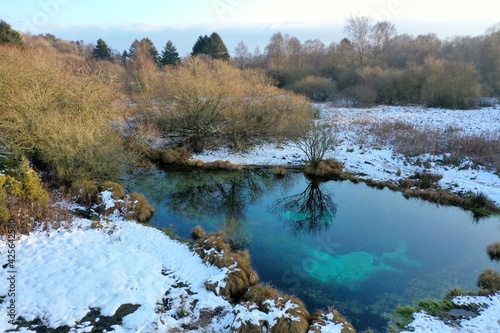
358	249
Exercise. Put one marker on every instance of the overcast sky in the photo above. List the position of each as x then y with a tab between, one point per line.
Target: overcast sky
119	22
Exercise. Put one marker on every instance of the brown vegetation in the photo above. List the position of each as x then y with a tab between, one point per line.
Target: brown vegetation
213	249
494	251
137	208
320	318
488	282
329	169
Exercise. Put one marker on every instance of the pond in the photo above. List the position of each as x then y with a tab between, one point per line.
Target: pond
358	249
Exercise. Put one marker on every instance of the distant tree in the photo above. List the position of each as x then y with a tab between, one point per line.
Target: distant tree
9	35
212	46
381	34
242	56
200	46
101	51
146	45
358	29
170	56
217	48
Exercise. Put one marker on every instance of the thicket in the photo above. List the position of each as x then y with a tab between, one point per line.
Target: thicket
207	101
57	110
374	64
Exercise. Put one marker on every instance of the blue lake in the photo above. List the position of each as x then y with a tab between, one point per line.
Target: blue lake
358	249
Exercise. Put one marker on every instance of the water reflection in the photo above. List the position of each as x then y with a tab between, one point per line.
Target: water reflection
310	211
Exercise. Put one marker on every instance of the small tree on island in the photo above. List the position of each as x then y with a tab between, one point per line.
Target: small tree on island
170	56
318	140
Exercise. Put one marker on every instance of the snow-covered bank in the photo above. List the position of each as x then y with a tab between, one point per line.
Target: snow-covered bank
60	275
487	322
383	163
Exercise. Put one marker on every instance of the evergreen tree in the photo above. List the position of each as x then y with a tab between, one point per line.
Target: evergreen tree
170	56
9	35
101	51
217	48
212	46
201	45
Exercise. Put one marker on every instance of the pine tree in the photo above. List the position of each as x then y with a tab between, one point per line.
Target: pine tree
217	48
212	46
101	51
9	35
201	45
170	56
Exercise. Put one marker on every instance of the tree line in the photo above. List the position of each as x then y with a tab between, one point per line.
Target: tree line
372	64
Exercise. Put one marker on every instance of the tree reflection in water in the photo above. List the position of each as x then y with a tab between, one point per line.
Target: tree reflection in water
310	211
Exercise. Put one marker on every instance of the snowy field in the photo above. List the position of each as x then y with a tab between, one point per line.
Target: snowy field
382	163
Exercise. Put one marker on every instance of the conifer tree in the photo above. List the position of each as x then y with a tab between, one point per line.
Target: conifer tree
212	46
9	35
101	51
170	56
143	44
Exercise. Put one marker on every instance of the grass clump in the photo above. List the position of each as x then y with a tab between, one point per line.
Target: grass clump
494	251
137	207
223	165
488	282
213	249
279	171
330	168
86	192
319	319
118	192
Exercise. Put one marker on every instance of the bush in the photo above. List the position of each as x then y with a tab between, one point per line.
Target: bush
279	171
118	192
494	251
222	165
57	110
325	169
488	282
452	85
316	88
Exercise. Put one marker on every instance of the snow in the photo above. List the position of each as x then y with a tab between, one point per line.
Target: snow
383	163
487	322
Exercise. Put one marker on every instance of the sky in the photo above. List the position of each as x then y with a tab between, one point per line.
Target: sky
250	21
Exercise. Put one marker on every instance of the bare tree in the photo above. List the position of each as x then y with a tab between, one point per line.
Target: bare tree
319	139
381	33
242	56
358	29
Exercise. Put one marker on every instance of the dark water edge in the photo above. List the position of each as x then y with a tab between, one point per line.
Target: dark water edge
360	250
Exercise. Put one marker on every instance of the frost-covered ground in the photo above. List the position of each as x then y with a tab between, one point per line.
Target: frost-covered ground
382	163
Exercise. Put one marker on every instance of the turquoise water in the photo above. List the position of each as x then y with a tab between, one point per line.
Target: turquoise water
360	250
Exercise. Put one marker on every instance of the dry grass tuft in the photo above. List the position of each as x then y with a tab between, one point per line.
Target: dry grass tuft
488	282
198	233
223	165
137	207
494	251
319	319
214	250
288	323
115	188
329	168
279	171
260	293
86	192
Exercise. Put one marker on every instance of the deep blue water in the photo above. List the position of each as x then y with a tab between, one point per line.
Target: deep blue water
360	250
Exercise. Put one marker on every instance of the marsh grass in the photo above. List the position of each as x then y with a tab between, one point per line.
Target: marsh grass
327	169
213	248
488	282
493	251
137	207
451	143
319	319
